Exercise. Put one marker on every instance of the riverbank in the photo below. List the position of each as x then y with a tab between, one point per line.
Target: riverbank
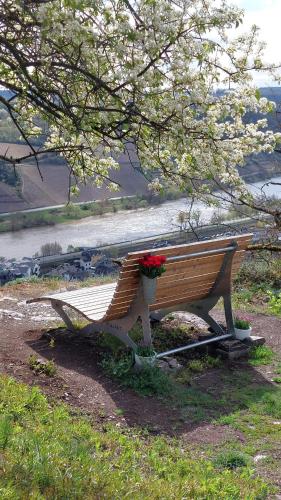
77	211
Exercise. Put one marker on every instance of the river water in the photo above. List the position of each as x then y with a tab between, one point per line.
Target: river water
108	228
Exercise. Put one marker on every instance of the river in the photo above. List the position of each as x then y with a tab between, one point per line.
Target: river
108	228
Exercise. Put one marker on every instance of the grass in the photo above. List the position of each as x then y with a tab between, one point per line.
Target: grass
55	283
49	453
231	460
261	355
257	285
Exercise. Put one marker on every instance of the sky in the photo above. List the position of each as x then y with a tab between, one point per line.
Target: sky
267	15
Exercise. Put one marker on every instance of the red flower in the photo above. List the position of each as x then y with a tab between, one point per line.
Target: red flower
152	260
152	266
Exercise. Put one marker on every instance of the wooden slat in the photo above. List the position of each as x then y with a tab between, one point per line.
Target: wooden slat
85	292
83	309
89	298
114	316
90	288
197	269
92	307
89	303
178	301
175	291
178	280
242	241
75	308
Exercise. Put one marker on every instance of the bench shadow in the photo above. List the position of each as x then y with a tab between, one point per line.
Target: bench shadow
214	394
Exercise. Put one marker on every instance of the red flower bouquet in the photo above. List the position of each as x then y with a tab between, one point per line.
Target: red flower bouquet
152	266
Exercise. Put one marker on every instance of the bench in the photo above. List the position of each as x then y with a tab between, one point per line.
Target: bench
197	276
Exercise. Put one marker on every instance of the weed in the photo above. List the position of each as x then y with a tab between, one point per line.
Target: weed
231	460
40	366
119	411
271	404
260	355
184	376
117	368
274	302
277	380
5	430
151	381
212	362
196	365
145	351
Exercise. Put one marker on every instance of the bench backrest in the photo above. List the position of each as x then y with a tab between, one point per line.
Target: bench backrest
185	280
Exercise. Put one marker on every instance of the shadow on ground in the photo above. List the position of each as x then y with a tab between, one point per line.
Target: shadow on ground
214	394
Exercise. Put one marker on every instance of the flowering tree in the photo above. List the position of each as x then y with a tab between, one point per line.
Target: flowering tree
115	75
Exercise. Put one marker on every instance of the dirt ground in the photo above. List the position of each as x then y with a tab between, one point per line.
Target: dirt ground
80	381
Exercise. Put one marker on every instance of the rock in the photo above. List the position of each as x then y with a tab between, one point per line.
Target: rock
174	364
257	458
235	354
171	364
230	345
254	341
163	365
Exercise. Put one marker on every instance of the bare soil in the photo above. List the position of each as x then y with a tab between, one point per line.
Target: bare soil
80	381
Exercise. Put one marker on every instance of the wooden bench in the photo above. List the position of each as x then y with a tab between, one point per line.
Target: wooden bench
197	276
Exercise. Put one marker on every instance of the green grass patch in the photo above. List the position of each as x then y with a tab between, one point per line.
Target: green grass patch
232	460
48	453
261	355
147	382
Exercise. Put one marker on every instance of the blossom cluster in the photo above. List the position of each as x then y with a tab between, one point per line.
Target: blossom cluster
152	266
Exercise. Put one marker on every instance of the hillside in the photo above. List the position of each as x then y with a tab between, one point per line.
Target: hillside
53	190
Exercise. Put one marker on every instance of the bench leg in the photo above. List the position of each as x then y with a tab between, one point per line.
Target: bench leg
228	314
60	311
205	315
112	329
146	328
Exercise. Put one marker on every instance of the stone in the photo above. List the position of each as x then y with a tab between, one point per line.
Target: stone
230	345
254	341
257	458
163	365
174	364
235	354
168	364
